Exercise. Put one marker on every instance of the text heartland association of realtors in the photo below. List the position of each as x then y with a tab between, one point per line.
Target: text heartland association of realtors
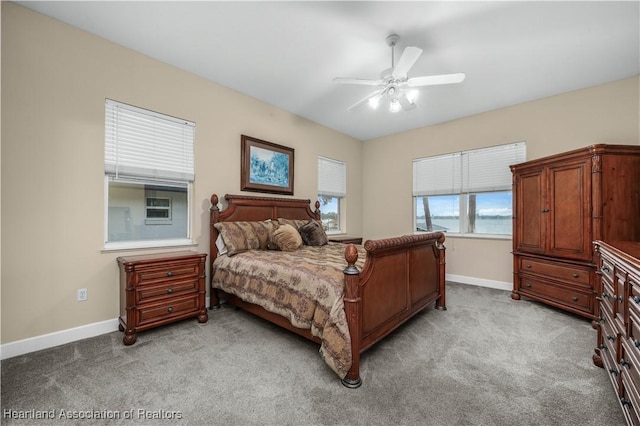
134	413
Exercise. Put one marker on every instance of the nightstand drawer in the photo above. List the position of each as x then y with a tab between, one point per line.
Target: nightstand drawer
170	309
167	272
563	272
150	293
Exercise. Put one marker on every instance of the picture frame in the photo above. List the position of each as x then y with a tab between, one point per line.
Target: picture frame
265	166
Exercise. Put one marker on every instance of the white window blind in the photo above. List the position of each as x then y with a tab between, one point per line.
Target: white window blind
142	144
479	170
332	177
437	175
487	169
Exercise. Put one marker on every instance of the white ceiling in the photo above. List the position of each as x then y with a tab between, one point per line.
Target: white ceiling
287	53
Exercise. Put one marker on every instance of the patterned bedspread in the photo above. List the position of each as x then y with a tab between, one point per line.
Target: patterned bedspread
305	286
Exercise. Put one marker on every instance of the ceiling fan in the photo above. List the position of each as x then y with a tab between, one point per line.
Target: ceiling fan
394	82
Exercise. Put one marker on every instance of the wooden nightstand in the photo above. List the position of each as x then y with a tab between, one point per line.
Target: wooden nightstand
346	240
159	289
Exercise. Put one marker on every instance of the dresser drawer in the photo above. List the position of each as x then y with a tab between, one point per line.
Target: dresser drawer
634	300
167	310
629	399
174	288
166	272
613	370
613	300
558	271
562	295
610	335
606	270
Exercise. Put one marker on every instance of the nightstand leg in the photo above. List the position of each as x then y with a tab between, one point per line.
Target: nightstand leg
129	337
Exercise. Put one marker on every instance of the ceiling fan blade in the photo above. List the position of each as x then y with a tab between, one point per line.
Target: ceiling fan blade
344	80
365	99
406	61
430	80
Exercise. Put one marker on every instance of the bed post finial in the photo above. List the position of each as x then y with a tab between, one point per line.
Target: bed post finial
214	202
352	310
317	211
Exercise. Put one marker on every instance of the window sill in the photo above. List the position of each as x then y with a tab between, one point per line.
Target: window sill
475	236
139	245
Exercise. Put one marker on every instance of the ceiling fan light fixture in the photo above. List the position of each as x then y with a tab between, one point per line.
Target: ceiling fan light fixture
412	95
374	102
394	105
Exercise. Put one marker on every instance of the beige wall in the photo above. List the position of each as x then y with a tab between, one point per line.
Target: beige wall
602	114
54	83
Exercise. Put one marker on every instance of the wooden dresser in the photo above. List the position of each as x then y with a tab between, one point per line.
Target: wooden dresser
561	204
159	289
618	322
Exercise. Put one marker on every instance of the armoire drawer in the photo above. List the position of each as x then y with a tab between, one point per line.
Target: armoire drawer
561	295
557	271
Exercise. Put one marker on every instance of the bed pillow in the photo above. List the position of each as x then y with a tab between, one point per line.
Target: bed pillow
287	238
243	236
296	223
313	234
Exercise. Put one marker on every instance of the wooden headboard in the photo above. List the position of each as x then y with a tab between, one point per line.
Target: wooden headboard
251	208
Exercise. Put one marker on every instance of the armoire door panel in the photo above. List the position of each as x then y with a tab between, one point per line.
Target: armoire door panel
531	229
569	210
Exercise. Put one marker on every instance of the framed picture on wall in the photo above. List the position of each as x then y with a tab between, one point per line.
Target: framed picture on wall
265	167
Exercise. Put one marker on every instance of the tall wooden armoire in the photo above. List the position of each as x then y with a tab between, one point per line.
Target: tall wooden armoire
561	204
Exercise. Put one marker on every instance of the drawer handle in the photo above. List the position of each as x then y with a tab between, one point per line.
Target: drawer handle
636	343
613	337
527	285
605	268
624	362
169	309
545	210
170	290
603	347
619	298
613	371
170	273
602	320
574	298
636	299
575	275
529	266
605	296
624	401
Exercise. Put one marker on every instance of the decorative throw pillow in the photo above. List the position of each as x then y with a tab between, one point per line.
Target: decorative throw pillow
243	236
313	234
287	238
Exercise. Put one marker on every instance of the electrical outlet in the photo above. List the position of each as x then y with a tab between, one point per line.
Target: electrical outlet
82	294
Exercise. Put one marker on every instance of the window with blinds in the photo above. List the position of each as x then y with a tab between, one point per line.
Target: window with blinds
332	190
466	192
148	159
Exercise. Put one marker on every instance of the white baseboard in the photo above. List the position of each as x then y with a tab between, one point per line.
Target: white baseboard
57	338
481	282
32	344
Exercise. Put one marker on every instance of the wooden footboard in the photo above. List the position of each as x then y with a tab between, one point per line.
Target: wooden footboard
400	277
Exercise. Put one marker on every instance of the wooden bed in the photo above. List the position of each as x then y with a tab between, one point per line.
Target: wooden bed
399	278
